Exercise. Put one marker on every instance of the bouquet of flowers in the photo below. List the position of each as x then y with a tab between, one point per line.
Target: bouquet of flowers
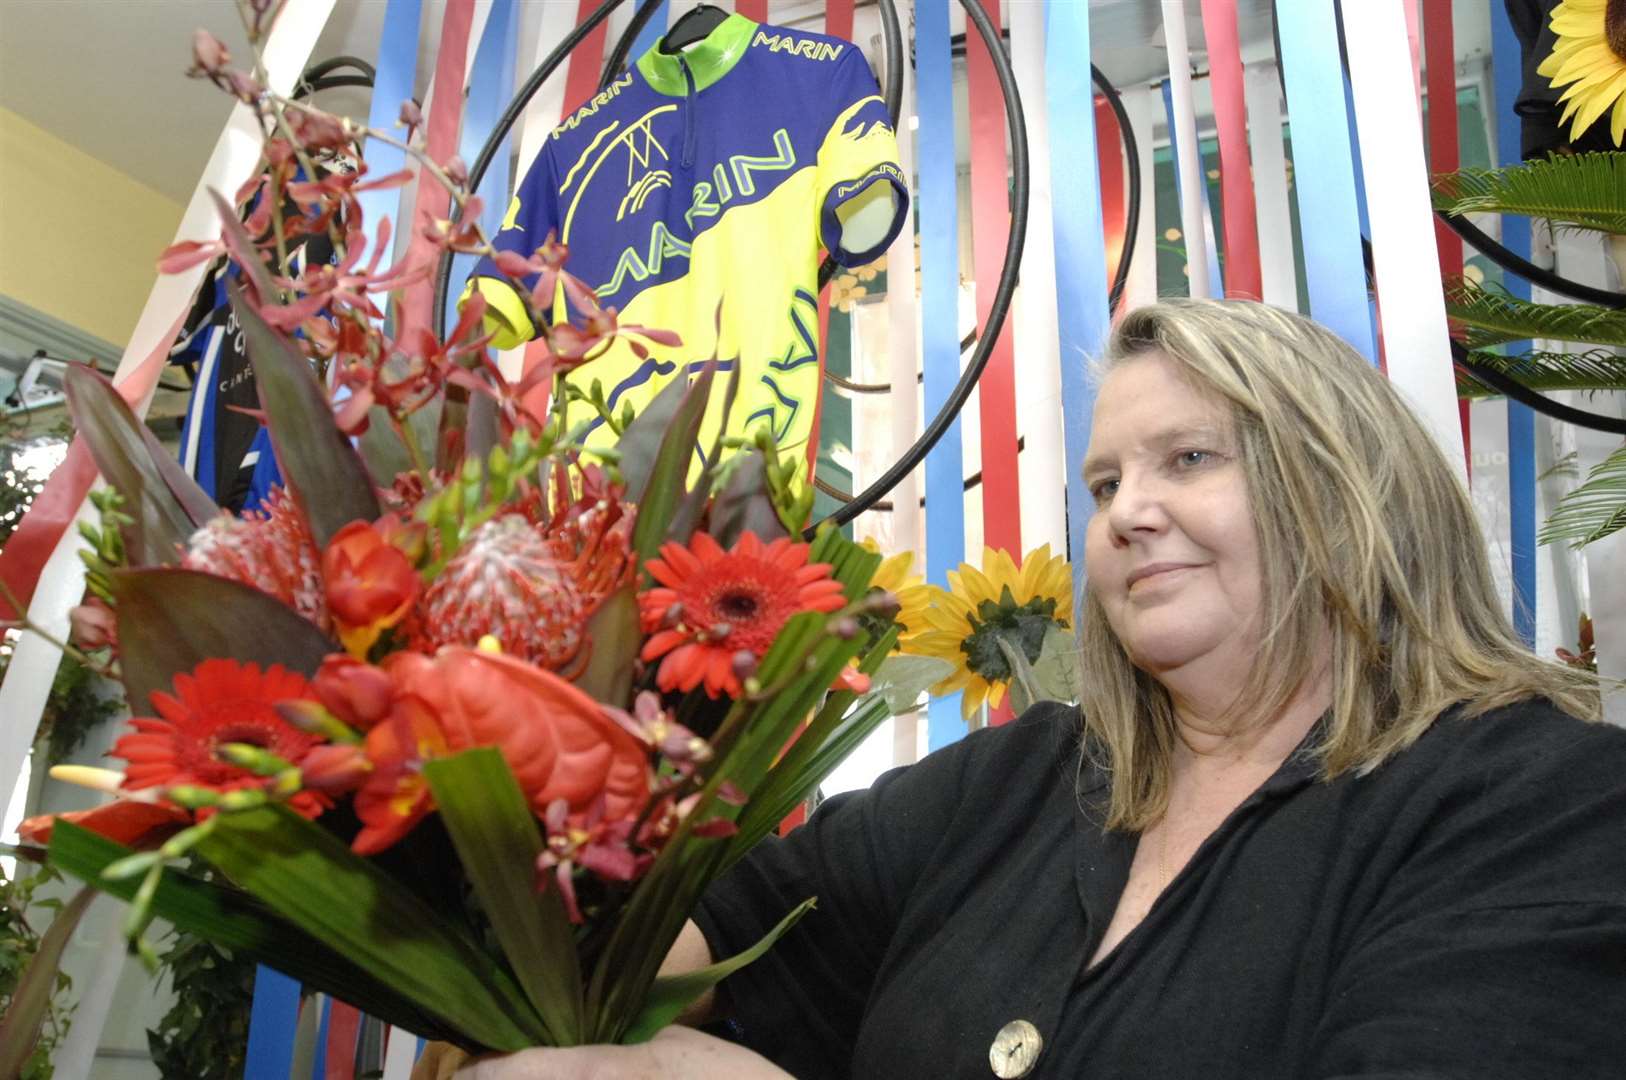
465	718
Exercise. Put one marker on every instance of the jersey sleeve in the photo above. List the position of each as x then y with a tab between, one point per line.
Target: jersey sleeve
1498	949
862	193
533	213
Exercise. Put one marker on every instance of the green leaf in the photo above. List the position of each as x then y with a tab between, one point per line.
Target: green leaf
744	504
1057	669
172	620
1594	510
901	679
309	877
240	242
231	919
1578	191
162	520
1595	369
497	841
640	444
665	485
612	632
321	465
671	994
1024	688
31	998
1493	317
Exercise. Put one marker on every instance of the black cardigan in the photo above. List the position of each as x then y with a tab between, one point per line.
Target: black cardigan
1460	912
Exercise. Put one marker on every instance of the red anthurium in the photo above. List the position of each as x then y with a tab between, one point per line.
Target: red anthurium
370	583
134	823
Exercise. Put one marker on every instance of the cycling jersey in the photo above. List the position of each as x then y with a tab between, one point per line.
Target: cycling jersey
694	193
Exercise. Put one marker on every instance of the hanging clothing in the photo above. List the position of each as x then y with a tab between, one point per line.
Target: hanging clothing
694	194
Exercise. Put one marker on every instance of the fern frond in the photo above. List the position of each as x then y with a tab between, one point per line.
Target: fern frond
1490	316
1577	191
1595	509
1595	369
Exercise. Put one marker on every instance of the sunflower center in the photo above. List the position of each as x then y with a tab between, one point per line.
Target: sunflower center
1021	626
1614	27
737	605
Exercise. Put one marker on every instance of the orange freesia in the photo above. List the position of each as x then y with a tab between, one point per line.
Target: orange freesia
559	742
370	583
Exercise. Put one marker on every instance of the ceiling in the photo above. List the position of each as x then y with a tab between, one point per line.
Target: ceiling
107	75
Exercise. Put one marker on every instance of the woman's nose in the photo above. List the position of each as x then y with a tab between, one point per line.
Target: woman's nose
1136	507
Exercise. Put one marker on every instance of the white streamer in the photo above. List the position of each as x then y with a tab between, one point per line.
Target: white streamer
1416	342
1144	105
1194	220
1262	91
1043	462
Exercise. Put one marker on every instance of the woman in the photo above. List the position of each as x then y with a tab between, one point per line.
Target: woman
1327	816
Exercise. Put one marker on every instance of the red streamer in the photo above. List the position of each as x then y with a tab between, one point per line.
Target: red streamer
1242	274
343	1026
433	202
991	210
755	10
51	514
1114	217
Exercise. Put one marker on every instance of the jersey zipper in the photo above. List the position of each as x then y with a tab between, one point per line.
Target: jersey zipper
688	115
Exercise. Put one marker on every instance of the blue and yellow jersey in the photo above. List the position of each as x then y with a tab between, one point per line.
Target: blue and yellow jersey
695	193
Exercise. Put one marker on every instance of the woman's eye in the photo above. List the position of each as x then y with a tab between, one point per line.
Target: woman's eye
1104	490
1192	458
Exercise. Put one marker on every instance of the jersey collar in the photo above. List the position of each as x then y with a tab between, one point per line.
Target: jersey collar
708	61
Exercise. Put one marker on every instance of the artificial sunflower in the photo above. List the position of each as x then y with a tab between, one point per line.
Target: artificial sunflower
714	612
912	593
967	620
1590	57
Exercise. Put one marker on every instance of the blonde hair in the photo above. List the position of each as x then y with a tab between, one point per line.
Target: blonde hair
1367	541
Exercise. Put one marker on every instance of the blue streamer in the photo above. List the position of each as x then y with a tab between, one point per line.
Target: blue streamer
937	211
1360	198
1216	283
395	70
1083	317
1507	67
271	1023
491	85
651	34
1324	171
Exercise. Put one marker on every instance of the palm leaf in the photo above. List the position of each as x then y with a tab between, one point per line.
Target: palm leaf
1595	369
1490	316
1595	509
1576	191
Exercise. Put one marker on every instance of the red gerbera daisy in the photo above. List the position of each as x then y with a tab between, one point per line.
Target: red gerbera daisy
221	701
713	605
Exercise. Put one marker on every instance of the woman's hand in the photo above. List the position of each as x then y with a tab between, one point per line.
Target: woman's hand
676	1053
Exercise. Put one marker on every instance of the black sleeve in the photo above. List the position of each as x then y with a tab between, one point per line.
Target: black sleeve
1499	950
860	854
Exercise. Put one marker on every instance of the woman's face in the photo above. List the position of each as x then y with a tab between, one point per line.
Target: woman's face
1171	550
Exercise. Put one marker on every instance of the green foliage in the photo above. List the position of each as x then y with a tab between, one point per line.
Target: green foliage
1576	191
1493	317
1595	369
20	943
1594	510
204	1035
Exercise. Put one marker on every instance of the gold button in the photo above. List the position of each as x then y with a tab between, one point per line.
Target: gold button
1015	1050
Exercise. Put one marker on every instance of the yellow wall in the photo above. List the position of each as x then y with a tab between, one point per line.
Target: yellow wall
78	239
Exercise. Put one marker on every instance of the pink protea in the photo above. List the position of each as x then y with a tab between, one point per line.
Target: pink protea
531	587
270	549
